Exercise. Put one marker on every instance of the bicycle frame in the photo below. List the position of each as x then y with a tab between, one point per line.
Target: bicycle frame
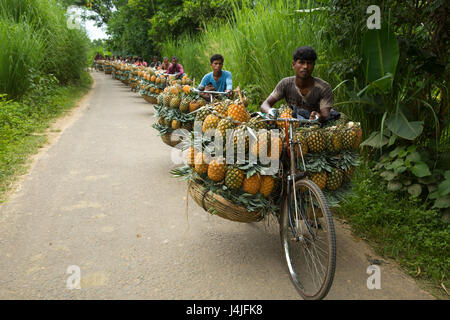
292	176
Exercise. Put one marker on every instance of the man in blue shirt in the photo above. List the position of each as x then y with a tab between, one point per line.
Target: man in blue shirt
217	80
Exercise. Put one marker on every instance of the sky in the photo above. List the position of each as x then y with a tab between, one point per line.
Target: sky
93	32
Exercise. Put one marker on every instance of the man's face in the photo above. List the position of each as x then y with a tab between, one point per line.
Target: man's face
166	60
217	65
303	68
174	61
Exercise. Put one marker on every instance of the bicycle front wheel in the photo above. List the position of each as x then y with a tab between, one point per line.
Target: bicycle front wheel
308	239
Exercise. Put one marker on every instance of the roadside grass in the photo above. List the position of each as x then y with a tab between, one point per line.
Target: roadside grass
23	124
402	229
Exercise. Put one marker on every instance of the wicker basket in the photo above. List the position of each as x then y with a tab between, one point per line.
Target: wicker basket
222	207
149	99
167	139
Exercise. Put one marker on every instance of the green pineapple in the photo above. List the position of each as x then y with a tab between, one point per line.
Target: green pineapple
175	102
184	105
234	178
202	114
167	99
256	124
223	125
334	179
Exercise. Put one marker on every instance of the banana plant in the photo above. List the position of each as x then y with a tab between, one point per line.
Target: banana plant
382	95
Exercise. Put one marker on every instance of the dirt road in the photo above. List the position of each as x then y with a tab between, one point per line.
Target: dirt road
101	198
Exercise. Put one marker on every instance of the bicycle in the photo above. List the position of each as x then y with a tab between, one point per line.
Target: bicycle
306	227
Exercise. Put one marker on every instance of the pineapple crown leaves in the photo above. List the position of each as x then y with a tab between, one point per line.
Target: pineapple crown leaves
317	162
162	129
184	172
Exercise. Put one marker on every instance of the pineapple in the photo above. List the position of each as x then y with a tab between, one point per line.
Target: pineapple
211	122
262	145
255	124
300	138
193	105
167	100
238	112
251	185
176	124
319	178
184	105
234	178
333	137
273	142
241	139
216	170
267	185
190	156
223	125
174	102
200	164
316	141
222	109
358	133
334	179
202	114
349	136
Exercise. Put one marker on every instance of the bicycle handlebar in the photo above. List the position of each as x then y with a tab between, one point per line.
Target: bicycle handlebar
311	121
205	91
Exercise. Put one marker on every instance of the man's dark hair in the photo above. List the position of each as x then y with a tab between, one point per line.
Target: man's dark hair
305	53
216	57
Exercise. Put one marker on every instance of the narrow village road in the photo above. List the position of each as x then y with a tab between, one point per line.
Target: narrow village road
101	198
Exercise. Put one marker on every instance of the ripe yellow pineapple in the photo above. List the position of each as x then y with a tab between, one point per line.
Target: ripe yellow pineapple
210	122
200	163
216	170
267	184
190	155
238	112
252	184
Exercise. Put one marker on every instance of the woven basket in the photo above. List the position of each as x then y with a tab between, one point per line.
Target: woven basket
222	207
149	99
167	139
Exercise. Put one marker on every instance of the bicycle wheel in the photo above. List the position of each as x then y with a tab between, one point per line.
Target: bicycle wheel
309	247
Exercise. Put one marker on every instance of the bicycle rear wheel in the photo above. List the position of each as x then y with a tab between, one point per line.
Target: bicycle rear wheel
308	246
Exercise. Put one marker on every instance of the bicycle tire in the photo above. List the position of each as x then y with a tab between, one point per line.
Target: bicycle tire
291	244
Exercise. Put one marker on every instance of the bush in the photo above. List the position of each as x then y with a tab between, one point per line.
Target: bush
403	227
35	40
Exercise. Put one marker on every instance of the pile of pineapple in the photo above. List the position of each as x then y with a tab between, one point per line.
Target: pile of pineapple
107	67
246	183
174	108
330	153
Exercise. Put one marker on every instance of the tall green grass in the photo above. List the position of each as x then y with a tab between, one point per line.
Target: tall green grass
258	41
36	41
20	51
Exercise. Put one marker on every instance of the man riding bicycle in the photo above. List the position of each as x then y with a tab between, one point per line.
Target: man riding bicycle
308	96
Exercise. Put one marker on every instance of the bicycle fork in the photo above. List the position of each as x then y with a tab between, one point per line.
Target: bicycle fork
291	177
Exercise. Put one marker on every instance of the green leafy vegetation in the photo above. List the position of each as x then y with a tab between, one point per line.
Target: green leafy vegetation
23	123
403	227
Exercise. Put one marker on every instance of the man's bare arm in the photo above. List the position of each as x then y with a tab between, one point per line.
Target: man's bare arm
268	104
